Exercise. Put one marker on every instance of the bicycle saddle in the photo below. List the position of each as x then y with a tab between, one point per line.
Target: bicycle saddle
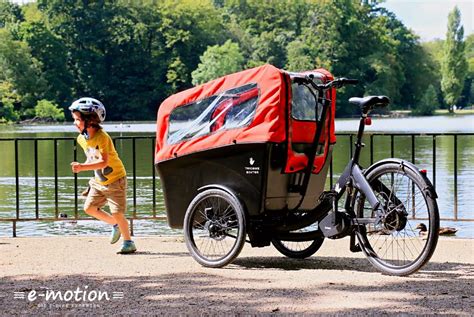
369	102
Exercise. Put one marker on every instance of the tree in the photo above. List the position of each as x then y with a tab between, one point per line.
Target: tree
454	64
332	35
298	57
11	16
20	70
46	109
188	27
467	95
10	13
51	53
427	105
8	99
133	54
217	61
263	29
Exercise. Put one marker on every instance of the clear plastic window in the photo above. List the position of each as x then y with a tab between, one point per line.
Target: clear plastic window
303	103
234	108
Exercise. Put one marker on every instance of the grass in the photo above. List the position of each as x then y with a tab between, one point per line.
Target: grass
438	112
460	112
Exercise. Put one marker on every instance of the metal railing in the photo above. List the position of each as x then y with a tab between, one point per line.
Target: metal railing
152	214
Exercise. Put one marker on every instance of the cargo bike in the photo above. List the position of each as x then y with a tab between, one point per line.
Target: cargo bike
244	158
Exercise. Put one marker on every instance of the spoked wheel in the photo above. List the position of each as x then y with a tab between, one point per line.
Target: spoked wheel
299	249
214	228
401	239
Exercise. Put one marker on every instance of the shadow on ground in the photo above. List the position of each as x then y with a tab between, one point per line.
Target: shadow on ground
431	269
207	293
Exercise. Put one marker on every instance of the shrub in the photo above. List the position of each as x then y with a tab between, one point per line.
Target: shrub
427	104
45	109
7	112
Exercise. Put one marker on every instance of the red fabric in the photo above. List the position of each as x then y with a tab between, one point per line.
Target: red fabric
268	125
303	132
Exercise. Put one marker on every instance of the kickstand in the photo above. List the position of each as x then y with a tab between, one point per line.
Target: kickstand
353	246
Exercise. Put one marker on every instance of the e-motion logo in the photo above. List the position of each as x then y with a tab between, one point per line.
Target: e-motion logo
70	296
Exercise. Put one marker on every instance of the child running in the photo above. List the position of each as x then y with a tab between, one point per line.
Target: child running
110	182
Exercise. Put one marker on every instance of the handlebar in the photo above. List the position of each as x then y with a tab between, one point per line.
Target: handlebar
336	83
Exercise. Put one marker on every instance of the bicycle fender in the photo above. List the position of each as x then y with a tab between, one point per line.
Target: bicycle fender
221	187
429	189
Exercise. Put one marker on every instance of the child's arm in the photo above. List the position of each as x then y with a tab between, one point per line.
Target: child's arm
100	164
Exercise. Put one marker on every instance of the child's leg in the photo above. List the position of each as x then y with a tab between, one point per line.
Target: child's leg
123	225
117	200
100	214
94	201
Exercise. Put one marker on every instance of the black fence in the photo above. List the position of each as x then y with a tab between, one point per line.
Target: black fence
148	167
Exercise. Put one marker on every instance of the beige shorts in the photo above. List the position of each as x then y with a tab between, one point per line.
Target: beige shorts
114	194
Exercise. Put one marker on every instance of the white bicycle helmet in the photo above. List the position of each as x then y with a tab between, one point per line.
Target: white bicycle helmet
87	105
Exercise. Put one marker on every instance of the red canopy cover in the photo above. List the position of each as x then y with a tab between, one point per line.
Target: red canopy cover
267	125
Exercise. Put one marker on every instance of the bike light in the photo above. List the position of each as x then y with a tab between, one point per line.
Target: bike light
368	121
423	171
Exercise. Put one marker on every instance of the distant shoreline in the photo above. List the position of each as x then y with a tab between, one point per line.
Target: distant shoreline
394	114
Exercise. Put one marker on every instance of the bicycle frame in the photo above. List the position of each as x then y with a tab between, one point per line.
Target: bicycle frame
354	176
335	224
352	173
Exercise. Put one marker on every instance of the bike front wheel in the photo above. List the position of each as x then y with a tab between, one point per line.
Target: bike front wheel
402	239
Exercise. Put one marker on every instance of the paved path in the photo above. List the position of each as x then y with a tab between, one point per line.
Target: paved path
163	279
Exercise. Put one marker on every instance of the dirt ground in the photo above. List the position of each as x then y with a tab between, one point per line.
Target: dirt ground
163	279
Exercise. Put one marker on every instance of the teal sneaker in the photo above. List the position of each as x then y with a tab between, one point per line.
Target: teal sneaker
115	235
127	247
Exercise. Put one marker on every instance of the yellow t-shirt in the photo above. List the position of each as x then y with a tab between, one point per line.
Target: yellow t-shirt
94	147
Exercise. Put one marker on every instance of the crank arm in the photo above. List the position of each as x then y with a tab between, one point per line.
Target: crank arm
364	221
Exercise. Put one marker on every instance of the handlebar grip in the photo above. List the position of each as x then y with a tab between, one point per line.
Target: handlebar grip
348	81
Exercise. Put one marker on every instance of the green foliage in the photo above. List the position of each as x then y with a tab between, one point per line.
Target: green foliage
20	69
10	14
263	29
469	51
427	105
217	61
454	65
51	52
45	109
133	54
8	113
8	99
10	17
298	57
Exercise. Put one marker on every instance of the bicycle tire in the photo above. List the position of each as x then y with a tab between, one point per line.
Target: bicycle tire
393	245
298	249
213	219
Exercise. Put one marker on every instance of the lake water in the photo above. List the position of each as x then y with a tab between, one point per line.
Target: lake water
144	168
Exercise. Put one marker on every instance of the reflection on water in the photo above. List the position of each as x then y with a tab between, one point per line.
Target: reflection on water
435	124
45	169
84	227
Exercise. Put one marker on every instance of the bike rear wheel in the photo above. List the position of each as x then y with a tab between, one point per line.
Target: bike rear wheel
214	228
295	245
402	239
298	249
